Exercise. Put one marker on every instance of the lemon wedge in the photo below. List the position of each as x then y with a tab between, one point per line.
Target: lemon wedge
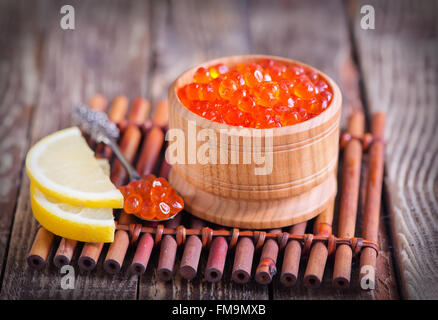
63	167
104	165
72	222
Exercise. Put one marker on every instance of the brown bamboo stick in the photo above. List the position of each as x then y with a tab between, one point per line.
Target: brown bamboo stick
118	109
216	259
243	258
131	139
98	102
139	111
90	255
40	249
192	252
368	255
118	248
65	252
352	160
166	260
160	117
266	268
292	257
319	252
154	140
116	252
151	150
116	114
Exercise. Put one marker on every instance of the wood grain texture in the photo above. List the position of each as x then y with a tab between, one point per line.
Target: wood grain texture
300	33
18	90
186	33
73	65
138	48
399	61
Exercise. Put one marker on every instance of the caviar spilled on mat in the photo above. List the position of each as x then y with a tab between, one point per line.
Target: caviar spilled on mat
265	94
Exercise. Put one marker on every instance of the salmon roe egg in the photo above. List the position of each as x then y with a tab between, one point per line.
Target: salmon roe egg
262	94
201	75
151	198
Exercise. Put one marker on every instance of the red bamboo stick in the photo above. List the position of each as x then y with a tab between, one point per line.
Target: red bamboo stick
192	252
266	268
319	252
166	260
216	259
40	249
292	256
165	169
243	260
142	254
65	252
368	256
352	160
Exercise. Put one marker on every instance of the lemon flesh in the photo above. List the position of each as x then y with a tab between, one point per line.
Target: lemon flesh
63	167
72	222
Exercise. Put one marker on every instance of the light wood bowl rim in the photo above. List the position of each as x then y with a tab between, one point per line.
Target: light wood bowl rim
322	118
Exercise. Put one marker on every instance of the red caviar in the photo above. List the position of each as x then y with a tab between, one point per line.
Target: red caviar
151	198
265	94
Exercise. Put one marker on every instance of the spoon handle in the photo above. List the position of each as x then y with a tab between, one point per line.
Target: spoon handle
132	173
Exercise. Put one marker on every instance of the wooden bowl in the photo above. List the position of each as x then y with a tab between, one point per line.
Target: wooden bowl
304	161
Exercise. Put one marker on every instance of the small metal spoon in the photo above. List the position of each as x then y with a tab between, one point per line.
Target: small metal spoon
101	129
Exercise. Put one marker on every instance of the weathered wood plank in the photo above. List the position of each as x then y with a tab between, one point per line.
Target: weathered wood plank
18	90
183	35
316	32
400	69
108	52
186	33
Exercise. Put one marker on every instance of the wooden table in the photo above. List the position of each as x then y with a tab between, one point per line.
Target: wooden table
139	47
